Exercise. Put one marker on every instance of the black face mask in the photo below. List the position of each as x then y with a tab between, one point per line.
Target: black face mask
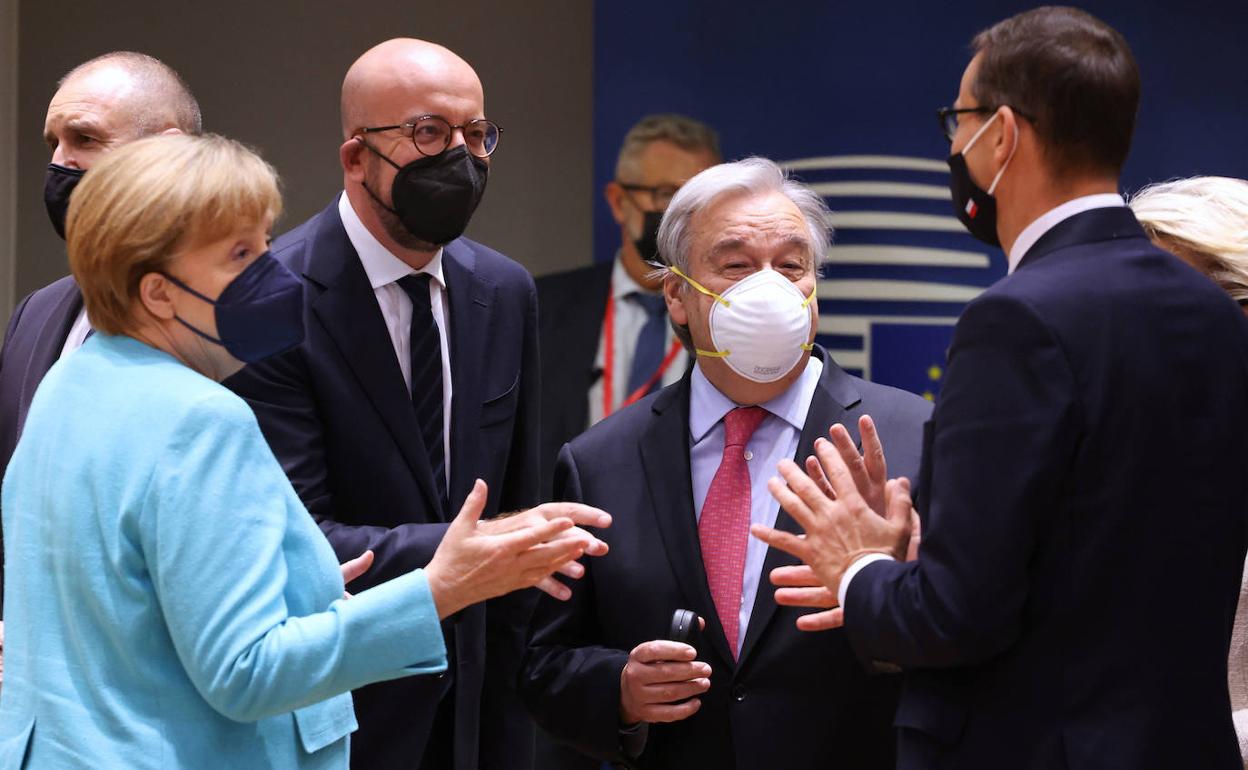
58	185
434	197
976	209
648	244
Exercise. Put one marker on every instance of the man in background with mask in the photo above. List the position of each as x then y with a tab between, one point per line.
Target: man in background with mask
604	331
418	375
98	106
685	473
1083	488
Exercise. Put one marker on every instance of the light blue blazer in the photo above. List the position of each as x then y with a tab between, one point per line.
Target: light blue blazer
169	602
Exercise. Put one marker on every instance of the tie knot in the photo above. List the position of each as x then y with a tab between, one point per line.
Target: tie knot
740	424
416	286
653	304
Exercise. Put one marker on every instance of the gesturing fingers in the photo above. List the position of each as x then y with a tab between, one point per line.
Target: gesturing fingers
822	621
582	515
806	597
353	568
843	443
784	541
815	471
872	450
554	589
795	576
834	467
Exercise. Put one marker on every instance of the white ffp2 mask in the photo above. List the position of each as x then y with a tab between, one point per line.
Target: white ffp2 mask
760	327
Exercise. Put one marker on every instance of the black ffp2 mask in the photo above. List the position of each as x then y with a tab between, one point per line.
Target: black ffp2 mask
648	244
58	185
434	196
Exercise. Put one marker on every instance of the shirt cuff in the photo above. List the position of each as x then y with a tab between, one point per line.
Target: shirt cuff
853	570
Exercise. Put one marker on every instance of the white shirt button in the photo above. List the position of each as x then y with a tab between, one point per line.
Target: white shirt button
749	455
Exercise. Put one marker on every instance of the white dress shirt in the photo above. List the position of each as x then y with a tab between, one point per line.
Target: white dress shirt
774	439
1026	239
1049	219
628	319
77	333
384	270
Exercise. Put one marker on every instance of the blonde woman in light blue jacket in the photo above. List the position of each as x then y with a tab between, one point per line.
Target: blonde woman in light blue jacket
169	602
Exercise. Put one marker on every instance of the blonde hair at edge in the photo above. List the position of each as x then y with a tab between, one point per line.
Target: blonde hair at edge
1207	215
145	201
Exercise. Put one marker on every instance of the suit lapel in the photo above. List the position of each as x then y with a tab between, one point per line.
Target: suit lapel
585	329
470	301
834	401
347	308
665	457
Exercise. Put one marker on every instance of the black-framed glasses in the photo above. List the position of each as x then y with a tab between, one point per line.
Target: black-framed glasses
948	117
432	134
660	195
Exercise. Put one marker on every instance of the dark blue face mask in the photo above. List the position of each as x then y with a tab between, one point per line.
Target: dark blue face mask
260	312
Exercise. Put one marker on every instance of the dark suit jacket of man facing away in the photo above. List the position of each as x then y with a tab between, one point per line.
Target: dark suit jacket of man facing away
339	417
33	342
796	699
572	306
1085	514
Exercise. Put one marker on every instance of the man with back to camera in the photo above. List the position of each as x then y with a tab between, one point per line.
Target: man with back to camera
684	471
1083	481
417	375
604	334
99	105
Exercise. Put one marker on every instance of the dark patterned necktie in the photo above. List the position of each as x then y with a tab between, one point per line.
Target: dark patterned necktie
648	355
427	388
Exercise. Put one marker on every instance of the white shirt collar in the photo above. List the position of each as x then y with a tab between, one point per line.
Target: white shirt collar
1051	218
708	405
381	266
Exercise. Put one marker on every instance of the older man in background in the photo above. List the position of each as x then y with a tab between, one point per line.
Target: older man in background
98	106
604	332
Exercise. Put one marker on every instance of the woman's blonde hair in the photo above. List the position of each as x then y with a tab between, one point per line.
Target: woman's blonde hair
145	201
1207	215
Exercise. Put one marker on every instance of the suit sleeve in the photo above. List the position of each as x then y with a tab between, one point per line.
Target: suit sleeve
509	735
281	393
569	680
224	596
1004	435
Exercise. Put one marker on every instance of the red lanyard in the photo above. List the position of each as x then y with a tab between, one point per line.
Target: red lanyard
608	361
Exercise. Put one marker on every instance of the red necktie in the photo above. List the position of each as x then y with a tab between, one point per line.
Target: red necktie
724	527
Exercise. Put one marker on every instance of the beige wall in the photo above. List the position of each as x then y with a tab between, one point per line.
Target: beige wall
268	73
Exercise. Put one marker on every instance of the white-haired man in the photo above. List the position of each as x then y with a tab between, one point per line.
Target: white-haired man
685	471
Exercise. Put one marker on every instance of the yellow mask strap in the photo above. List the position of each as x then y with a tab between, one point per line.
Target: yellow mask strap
809	346
701	288
712	353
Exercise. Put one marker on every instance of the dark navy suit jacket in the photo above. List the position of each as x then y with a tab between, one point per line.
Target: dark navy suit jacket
339	417
32	343
572	306
794	700
1085	520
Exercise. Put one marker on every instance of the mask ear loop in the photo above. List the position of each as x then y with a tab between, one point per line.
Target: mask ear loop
993	187
809	346
712	295
371	194
700	287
